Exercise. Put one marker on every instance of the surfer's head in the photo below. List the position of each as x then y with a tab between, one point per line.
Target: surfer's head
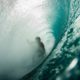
38	39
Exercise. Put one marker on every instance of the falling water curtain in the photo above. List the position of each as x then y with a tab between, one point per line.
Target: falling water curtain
65	51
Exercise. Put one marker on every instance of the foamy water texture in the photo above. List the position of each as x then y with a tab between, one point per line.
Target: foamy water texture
21	21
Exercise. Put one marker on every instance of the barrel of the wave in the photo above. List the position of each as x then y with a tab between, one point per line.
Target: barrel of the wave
23	20
51	18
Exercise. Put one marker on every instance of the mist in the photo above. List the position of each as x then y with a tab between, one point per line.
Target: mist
21	21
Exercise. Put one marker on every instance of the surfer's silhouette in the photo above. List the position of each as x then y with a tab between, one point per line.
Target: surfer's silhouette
38	48
41	45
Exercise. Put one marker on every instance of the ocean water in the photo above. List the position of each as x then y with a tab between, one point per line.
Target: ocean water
56	64
21	21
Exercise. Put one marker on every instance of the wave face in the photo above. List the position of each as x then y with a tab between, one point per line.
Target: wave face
65	51
21	22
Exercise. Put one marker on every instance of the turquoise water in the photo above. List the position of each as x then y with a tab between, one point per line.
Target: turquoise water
21	21
67	49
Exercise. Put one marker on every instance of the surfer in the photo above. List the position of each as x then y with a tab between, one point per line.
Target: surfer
41	45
